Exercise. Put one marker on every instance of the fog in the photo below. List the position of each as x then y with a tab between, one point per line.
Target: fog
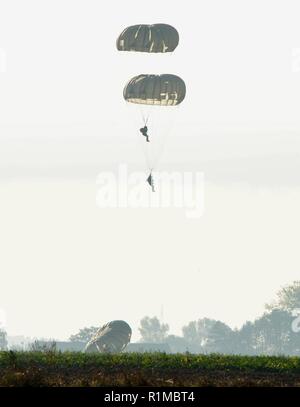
67	263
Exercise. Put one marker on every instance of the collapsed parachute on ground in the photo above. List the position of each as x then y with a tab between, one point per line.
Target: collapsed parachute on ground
110	338
148	38
162	90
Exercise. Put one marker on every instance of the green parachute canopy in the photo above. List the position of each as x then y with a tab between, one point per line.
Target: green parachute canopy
162	90
148	38
111	337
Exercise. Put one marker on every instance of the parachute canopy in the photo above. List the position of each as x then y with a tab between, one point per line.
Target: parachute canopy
162	90
112	337
148	38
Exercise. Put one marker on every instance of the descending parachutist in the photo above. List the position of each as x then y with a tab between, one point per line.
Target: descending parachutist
150	181
144	131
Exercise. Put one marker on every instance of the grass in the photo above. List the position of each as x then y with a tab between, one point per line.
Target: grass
148	369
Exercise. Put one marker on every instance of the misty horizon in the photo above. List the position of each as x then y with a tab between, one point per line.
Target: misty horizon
65	262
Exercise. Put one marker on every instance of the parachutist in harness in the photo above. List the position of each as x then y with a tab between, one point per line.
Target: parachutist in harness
150	181
144	131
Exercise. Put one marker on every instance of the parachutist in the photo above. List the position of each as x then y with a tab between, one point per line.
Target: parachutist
151	182
144	131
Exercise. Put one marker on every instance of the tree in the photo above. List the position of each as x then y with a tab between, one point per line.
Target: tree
152	330
244	339
191	334
209	335
271	334
3	340
288	298
84	335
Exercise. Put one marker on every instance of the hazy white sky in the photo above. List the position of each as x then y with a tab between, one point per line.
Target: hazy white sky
65	263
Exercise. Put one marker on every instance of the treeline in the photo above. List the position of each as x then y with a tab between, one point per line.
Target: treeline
272	334
276	332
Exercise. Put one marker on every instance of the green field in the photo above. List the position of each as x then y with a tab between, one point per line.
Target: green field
150	369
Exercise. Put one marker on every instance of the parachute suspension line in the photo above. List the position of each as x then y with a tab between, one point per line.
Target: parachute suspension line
145	119
145	113
145	147
145	116
150	148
